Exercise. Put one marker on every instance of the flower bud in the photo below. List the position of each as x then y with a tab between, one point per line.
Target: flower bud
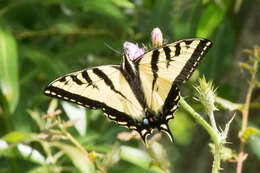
157	37
206	94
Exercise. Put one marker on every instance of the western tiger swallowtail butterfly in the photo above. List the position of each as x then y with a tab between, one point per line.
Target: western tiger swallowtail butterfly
139	94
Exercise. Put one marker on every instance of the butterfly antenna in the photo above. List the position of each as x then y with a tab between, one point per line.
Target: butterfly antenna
111	48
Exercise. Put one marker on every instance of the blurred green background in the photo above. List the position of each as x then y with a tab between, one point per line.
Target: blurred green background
43	39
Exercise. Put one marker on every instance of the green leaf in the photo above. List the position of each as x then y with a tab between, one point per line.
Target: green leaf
104	7
39	169
79	159
135	156
254	143
15	136
112	156
123	3
250	131
226	104
9	68
211	18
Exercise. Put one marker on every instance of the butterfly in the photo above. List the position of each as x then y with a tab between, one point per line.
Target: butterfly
140	94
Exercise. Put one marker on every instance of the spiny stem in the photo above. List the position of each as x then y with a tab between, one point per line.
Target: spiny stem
217	158
213	132
199	119
212	120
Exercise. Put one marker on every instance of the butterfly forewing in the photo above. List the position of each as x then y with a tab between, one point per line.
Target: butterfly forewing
101	87
170	65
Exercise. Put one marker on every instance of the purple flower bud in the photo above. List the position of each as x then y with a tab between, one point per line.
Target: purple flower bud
157	37
132	50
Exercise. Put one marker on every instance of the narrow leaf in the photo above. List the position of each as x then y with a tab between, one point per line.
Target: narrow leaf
15	136
250	131
123	3
211	18
135	156
254	143
79	159
9	68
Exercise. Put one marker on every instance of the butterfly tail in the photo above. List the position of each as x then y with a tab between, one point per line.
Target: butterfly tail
165	128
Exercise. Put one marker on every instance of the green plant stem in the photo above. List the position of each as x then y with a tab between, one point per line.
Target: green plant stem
212	120
215	135
73	140
217	158
200	120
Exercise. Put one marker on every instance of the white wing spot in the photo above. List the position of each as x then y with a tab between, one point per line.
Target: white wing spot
174	107
111	117
47	92
169	117
176	98
53	93
132	127
143	132
164	126
122	123
66	98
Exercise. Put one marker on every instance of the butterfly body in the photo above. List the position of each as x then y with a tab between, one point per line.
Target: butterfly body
139	94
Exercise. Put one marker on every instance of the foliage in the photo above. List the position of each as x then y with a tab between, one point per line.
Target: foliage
41	40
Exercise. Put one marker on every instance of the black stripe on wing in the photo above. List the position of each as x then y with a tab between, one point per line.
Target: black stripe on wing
171	102
85	75
112	113
130	72
177	49
154	61
190	66
167	52
76	80
107	81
